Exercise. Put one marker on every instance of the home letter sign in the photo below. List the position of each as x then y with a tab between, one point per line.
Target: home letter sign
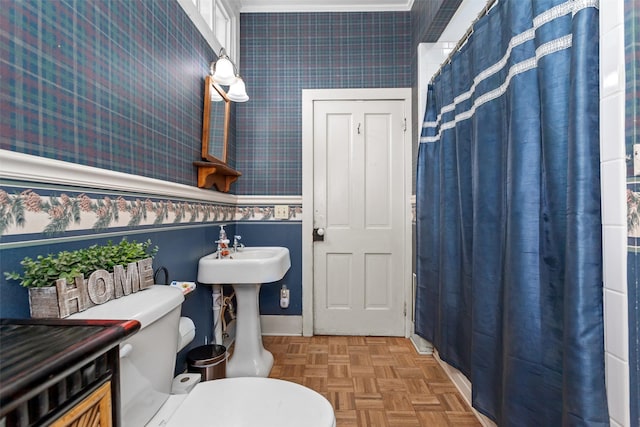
65	299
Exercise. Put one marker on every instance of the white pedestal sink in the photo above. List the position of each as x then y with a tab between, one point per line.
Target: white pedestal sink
247	270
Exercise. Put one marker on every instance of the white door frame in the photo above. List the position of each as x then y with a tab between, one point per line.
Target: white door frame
308	98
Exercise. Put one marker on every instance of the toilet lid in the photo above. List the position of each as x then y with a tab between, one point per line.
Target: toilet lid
251	402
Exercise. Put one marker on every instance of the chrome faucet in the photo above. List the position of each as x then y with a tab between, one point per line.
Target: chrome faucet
237	246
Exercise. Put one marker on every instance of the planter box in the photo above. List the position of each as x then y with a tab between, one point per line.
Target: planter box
43	302
64	299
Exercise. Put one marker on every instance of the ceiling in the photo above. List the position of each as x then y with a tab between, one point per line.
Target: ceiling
248	6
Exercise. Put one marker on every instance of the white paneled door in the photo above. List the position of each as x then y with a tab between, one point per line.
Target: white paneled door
358	197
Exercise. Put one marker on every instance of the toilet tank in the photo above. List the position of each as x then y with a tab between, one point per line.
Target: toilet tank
147	358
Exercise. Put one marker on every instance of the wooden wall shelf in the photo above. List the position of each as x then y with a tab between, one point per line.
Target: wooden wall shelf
216	173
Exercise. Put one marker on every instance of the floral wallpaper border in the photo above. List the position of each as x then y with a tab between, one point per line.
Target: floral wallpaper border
55	212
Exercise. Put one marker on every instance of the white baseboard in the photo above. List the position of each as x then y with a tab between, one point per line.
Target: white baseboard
464	387
281	325
421	345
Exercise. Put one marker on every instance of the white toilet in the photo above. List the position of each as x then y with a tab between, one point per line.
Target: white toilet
147	361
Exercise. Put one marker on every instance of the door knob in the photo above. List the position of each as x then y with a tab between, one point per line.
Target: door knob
318	234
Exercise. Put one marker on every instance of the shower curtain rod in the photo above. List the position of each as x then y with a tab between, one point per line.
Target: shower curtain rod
465	37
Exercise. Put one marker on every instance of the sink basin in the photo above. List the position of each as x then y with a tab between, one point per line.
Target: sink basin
257	264
247	270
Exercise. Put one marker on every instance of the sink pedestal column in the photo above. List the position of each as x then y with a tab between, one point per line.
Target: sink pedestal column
250	358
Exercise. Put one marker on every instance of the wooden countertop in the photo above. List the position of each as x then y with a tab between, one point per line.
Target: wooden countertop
34	352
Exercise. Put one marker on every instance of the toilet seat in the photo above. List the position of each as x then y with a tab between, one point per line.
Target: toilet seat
253	401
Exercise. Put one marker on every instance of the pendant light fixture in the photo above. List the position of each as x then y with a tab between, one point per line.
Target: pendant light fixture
225	72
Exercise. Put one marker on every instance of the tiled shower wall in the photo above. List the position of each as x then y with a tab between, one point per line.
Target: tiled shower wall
632	137
619	245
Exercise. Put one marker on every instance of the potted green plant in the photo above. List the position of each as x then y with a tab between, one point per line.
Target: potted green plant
57	284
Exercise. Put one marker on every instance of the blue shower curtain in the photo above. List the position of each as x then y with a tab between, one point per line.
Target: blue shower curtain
509	254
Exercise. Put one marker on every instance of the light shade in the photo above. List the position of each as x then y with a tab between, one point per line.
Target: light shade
237	91
223	72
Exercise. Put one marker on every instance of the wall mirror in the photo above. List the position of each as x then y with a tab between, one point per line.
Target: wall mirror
213	170
215	122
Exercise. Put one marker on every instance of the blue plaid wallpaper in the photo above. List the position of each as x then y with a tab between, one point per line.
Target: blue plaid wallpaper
106	83
430	17
283	53
118	84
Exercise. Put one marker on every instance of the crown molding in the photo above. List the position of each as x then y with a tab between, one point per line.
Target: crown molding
260	6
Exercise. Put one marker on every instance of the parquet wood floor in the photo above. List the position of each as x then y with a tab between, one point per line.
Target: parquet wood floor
372	381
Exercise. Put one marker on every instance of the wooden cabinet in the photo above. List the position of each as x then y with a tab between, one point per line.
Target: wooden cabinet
59	372
94	411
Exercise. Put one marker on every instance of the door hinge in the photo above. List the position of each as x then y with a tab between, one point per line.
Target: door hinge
405	309
405	124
